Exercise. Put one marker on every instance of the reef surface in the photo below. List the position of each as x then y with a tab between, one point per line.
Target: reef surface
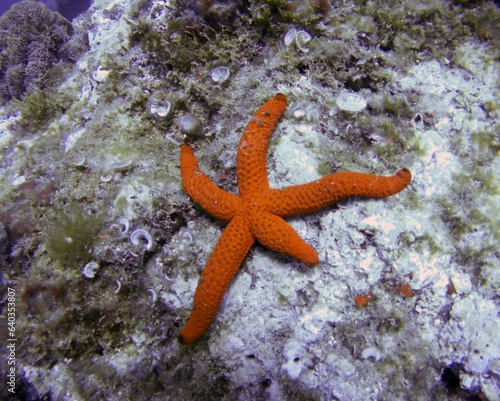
101	248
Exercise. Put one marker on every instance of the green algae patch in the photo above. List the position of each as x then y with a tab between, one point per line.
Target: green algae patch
41	106
70	237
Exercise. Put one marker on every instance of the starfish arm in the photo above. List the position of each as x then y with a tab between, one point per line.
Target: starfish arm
233	245
306	198
251	164
217	202
276	234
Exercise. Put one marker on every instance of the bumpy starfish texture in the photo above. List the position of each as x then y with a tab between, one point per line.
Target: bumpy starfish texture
257	212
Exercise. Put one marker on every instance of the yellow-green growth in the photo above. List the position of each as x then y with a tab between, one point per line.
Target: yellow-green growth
42	105
69	239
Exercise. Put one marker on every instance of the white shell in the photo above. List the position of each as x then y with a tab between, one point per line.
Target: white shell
220	74
351	102
290	36
160	110
101	74
140	235
189	124
312	113
301	39
299	113
89	269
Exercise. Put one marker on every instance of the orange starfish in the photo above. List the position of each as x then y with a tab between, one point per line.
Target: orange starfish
257	213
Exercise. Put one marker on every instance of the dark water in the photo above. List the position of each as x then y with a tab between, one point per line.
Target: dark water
68	8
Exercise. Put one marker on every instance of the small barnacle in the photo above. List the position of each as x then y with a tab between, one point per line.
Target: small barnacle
89	269
101	74
106	178
79	162
160	105
160	110
220	74
299	113
301	38
189	125
312	112
123	227
298	109
139	236
351	102
290	36
126	225
188	236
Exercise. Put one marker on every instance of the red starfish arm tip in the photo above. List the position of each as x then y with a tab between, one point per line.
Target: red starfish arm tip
231	249
251	164
217	202
276	234
307	198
